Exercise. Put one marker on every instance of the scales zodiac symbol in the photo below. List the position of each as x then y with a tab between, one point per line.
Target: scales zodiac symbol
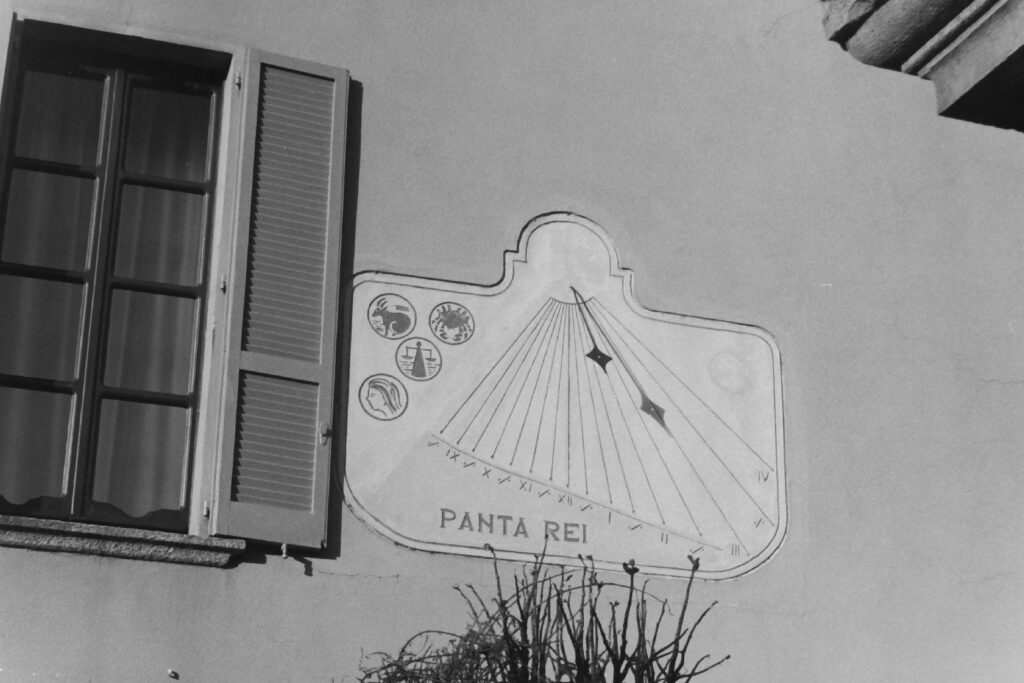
418	359
574	410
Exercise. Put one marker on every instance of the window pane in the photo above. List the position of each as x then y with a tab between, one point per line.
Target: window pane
167	134
60	118
150	343
160	235
34	443
141	456
39	327
48	219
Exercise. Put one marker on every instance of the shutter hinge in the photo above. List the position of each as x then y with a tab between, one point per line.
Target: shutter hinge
325	433
238	81
206	508
223	286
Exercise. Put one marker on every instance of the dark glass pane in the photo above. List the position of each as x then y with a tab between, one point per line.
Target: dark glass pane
141	457
150	344
39	327
160	235
34	428
48	219
167	134
60	118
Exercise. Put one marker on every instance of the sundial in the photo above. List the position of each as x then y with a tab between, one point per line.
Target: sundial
552	409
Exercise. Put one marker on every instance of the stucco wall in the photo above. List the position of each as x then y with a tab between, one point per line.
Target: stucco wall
747	170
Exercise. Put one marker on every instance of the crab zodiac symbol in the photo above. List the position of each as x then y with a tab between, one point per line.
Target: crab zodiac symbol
452	323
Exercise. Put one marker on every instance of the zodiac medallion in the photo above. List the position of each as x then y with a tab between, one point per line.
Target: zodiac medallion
383	397
391	316
452	323
418	359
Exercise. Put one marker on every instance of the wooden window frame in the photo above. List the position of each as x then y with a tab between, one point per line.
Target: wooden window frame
44	45
212	513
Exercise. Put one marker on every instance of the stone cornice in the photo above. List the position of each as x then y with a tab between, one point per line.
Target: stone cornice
844	17
970	49
898	28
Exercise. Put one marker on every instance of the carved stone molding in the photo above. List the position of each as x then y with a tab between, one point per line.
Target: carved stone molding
844	17
971	50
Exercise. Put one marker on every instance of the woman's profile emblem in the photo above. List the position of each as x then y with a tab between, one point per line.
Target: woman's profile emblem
383	397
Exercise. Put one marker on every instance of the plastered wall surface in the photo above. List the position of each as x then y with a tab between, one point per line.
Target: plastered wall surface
747	170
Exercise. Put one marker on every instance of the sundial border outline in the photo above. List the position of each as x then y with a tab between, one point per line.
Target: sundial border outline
519	255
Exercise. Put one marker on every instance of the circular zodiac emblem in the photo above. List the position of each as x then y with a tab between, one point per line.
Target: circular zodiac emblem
418	359
391	316
383	397
452	323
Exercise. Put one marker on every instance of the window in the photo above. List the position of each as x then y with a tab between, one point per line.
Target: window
169	254
103	283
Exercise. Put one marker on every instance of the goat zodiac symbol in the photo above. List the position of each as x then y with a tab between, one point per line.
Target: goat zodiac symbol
391	316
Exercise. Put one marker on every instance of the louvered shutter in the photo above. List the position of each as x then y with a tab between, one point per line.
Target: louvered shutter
276	441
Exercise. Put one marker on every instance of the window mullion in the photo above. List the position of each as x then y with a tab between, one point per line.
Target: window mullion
92	356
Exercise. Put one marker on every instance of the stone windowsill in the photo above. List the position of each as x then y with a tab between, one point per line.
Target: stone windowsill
111	541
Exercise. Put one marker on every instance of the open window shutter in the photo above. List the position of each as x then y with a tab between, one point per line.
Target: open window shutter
276	441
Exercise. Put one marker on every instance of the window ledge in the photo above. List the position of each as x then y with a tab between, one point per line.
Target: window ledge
136	544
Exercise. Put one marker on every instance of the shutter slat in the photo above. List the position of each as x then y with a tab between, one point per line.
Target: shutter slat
271	471
283	148
297	406
282	349
289	440
275	207
276	458
278	253
293	472
283	184
297	88
293	102
297	240
285	294
264	497
280	205
285	319
259	444
288	136
289	263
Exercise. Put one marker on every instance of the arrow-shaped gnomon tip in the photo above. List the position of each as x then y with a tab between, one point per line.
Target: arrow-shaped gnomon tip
653	409
600	357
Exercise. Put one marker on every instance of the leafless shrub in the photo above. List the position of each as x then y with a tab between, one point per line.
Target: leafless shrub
557	625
